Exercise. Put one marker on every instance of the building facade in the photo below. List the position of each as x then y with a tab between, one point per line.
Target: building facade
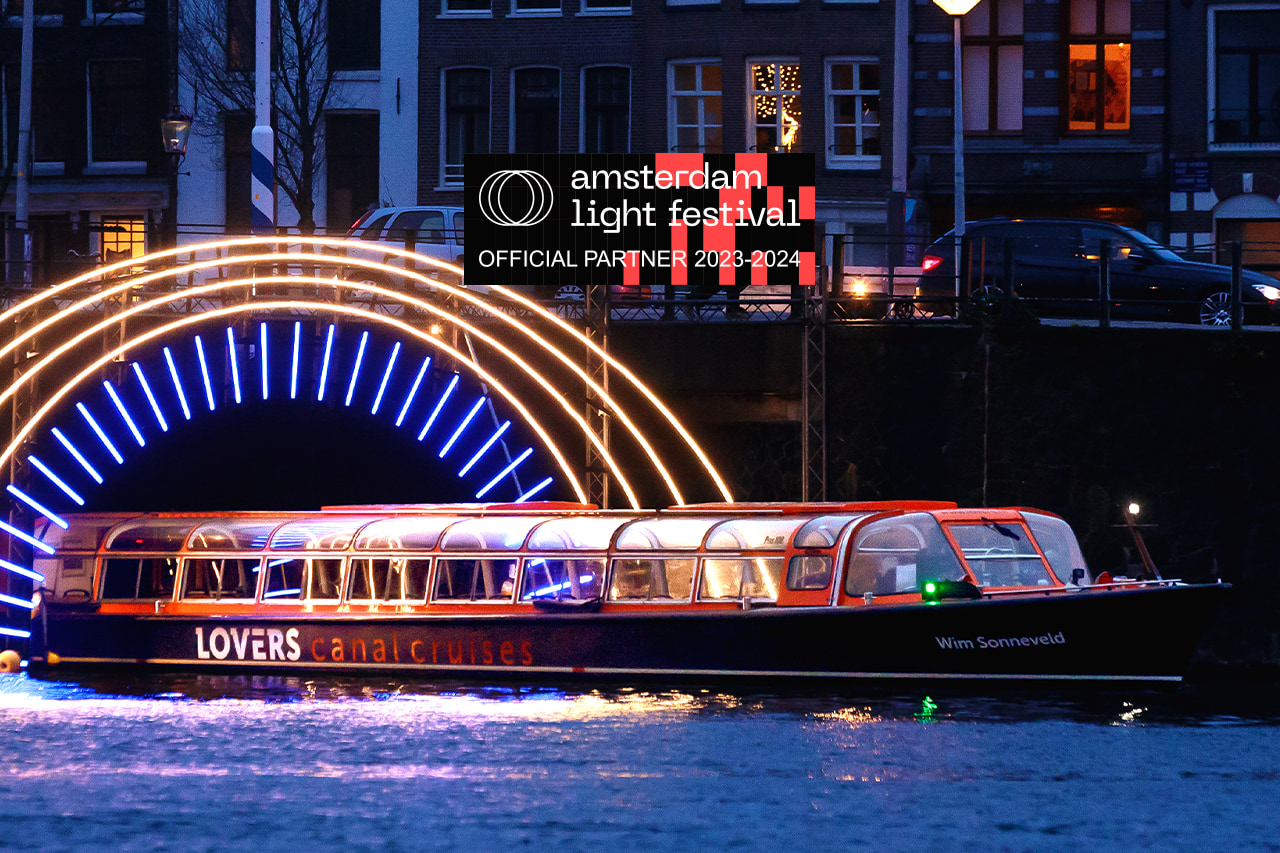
1225	139
99	176
600	76
1065	109
361	103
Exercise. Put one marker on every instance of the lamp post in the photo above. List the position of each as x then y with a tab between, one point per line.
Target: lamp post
957	9
175	128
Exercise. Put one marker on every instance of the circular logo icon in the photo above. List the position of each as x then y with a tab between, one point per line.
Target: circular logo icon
516	197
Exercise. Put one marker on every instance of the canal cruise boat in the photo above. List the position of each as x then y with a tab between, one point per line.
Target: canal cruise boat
553	591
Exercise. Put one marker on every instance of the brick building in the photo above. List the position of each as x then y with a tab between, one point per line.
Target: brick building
685	75
1225	138
101	84
1065	110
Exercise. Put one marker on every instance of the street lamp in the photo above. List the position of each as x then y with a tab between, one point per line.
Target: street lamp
957	9
174	130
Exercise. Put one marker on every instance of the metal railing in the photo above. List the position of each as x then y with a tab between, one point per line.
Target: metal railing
854	293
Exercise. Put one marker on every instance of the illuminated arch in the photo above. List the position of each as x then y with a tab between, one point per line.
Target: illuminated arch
135	413
88	371
349	261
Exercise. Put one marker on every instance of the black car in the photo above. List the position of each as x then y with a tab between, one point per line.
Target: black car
1056	272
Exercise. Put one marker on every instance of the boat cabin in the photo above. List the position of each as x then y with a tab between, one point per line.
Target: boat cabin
453	559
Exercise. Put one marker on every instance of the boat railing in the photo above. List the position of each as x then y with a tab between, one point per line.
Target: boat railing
1071	588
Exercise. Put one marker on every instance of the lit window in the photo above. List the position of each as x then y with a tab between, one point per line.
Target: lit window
466	120
694	111
774	114
853	114
535	125
993	67
123	239
1098	65
1246	71
606	110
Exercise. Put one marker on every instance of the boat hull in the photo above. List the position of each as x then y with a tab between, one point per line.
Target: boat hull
1140	635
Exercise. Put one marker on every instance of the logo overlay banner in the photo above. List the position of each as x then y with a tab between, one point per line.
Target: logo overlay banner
697	220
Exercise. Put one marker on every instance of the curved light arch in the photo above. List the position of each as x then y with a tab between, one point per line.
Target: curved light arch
46	360
183	322
360	247
193	372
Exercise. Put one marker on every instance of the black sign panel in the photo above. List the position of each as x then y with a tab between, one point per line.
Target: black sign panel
703	220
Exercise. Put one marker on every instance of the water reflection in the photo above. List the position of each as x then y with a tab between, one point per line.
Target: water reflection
1229	703
264	763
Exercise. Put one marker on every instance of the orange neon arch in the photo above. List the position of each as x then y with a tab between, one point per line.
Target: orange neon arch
353	259
87	372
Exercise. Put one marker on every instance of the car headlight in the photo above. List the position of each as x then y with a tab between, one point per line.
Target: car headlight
1269	292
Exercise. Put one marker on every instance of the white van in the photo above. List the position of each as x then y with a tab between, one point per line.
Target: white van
433	231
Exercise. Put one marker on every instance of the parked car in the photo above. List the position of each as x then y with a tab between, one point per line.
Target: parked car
1057	266
438	233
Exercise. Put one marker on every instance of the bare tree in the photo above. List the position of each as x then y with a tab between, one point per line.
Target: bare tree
217	53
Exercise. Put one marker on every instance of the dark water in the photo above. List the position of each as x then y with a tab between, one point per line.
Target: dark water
265	764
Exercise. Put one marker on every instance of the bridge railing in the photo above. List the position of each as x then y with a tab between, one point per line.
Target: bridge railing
857	286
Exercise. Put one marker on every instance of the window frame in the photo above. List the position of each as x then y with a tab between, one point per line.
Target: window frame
584	116
1100	39
701	94
992	42
95	164
451	174
446	12
777	94
604	7
535	12
1211	43
835	160
513	116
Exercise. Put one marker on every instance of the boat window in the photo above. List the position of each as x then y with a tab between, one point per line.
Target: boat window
809	571
475	579
651	534
405	533
576	533
1000	553
1058	542
666	579
742	534
552	578
825	531
224	577
394	579
757	577
499	533
231	535
284	579
323	580
895	554
317	534
148	577
151	534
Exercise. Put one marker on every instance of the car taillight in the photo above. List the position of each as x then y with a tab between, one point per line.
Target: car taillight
930	261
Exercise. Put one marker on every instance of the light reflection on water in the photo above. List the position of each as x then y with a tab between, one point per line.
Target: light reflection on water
198	762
